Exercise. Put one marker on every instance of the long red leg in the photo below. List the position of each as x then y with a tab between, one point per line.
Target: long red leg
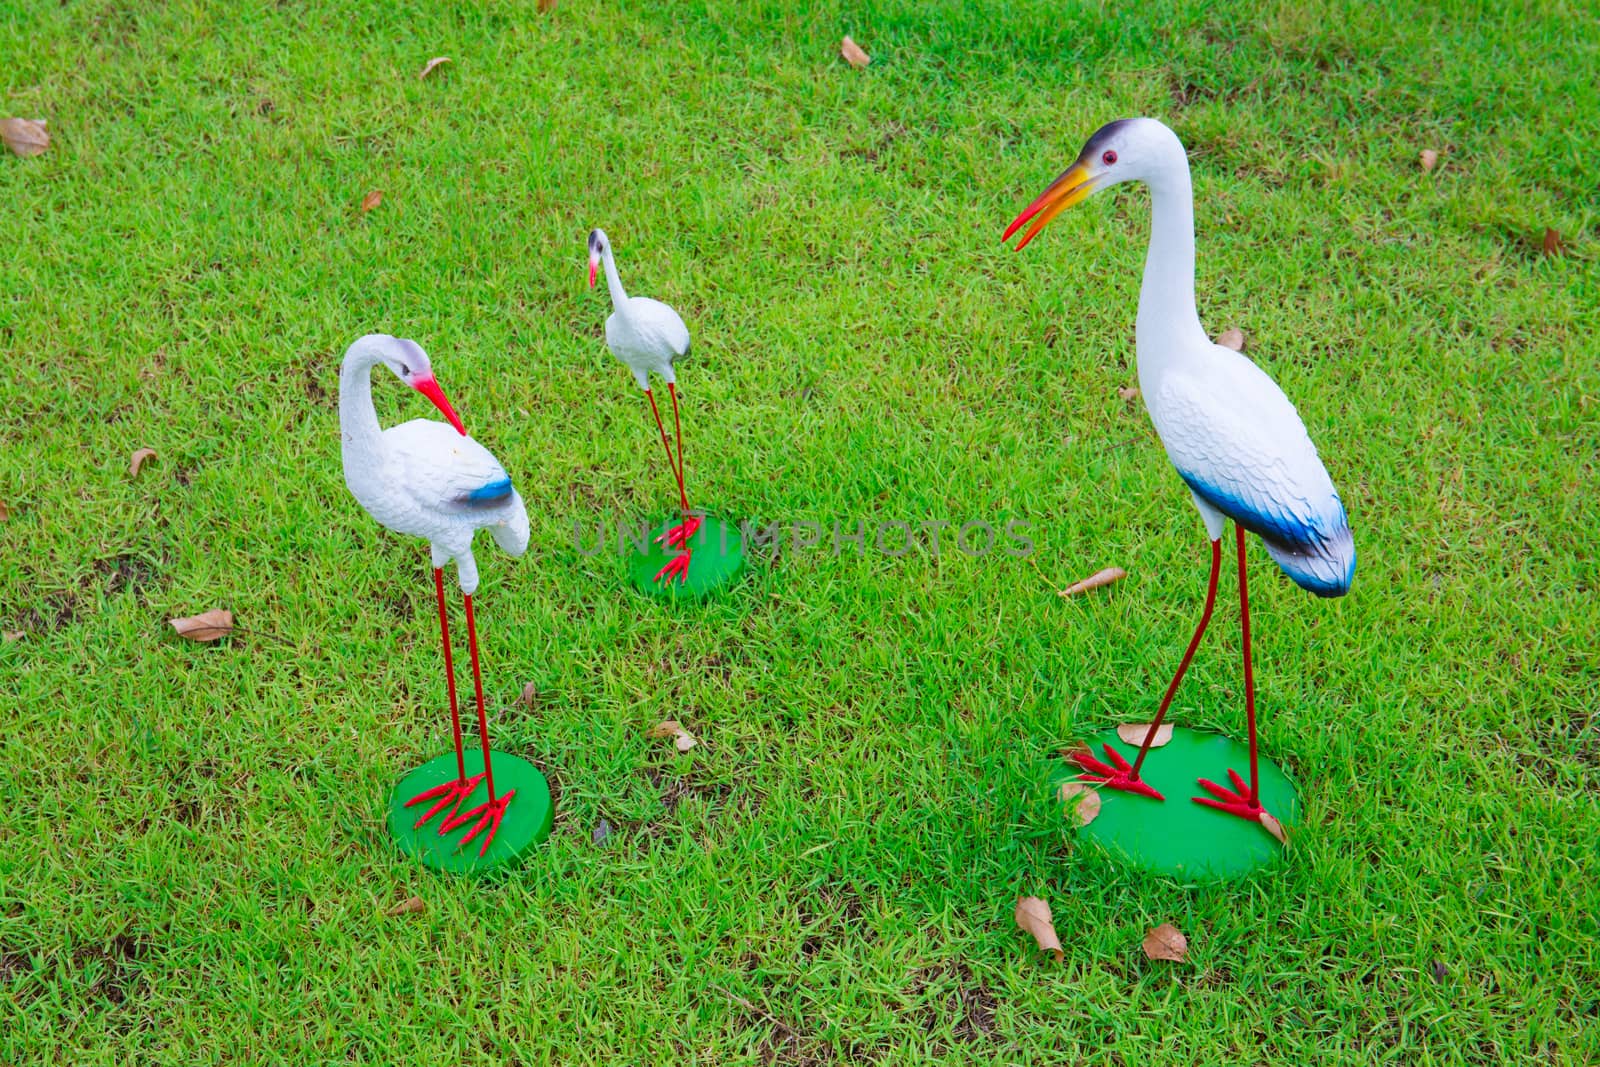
477	689
683	497
677	435
450	672
1249	676
1188	654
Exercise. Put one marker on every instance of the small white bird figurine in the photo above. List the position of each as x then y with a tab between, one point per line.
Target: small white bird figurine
649	337
1234	437
432	481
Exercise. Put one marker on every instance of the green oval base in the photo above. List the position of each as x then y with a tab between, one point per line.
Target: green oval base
1177	837
527	821
717	561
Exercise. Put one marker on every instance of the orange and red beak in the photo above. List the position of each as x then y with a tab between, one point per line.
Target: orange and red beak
1073	187
430	389
594	269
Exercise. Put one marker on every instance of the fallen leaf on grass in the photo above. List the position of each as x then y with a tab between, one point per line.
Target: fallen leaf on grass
545	6
1095	581
5	512
1166	942
1232	337
1439	971
1552	242
1274	827
672	728
407	907
1033	915
433	64
371	200
1128	392
25	137
530	693
207	626
13	635
1085	800
853	54
136	463
601	831
1133	733
1427	159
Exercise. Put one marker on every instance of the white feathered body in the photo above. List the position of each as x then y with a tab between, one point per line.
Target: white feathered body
648	337
424	479
1241	447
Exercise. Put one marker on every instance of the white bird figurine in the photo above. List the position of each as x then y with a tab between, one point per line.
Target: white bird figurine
648	337
432	481
1234	437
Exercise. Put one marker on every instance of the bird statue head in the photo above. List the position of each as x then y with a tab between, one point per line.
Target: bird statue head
1122	151
598	246
410	364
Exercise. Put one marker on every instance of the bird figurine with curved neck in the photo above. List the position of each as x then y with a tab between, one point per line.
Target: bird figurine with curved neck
1236	440
431	480
648	337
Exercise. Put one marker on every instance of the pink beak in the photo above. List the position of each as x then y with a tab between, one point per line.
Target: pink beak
594	266
430	389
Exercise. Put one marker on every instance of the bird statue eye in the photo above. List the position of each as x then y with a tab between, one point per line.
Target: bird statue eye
1109	157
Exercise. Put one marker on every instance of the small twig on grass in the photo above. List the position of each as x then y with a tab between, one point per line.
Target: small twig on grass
747	1006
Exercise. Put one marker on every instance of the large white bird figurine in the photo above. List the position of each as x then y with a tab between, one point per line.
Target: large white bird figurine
432	481
648	337
1234	437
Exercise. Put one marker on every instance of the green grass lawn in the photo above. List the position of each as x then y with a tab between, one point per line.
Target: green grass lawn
193	864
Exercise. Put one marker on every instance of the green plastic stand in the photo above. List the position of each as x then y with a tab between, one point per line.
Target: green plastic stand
717	561
527	822
1177	837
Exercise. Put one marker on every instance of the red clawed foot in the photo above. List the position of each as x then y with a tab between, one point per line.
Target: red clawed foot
1118	774
1235	802
488	814
677	567
679	535
457	790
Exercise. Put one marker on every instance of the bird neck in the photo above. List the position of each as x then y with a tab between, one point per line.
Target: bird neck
362	437
1168	324
619	296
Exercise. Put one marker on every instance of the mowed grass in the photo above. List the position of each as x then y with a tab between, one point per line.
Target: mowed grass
193	864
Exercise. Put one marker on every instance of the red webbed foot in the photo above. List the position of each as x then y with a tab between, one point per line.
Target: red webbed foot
457	790
1117	774
679	535
1237	801
489	814
677	567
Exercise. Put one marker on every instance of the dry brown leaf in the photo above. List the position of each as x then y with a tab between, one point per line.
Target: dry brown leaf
1232	337
1033	915
1166	942
433	64
12	635
1133	733
207	626
530	693
1095	581
545	6
853	54
371	200
25	137
1128	392
674	729
1427	160
1085	801
136	463
5	512
1552	242
407	907
1274	827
